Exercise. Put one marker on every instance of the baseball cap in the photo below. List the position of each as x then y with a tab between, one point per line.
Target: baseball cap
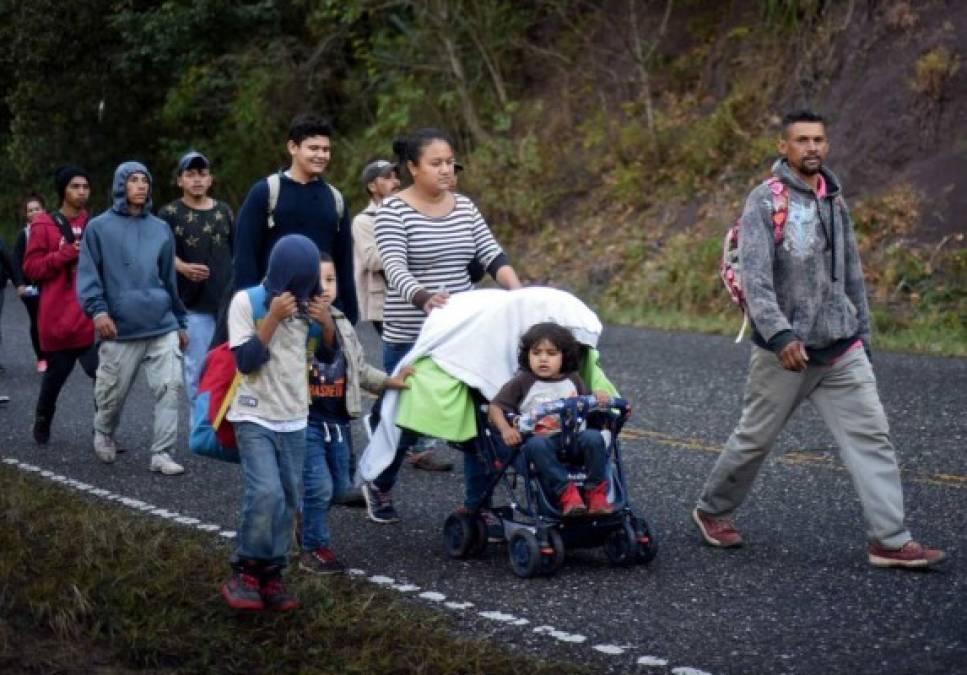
377	169
193	160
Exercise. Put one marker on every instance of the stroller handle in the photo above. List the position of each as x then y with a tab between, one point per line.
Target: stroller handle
576	405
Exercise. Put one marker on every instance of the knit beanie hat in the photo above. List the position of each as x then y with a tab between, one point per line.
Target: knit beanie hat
63	176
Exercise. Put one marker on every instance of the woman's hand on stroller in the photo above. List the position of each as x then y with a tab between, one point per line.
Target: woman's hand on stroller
438	299
399	382
604	398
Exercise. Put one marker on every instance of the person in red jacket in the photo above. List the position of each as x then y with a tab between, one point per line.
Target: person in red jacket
66	333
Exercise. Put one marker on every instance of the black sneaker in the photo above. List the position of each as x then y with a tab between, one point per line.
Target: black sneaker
379	505
242	592
41	429
351	497
320	561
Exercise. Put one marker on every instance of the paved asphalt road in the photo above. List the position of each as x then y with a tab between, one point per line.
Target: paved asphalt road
798	598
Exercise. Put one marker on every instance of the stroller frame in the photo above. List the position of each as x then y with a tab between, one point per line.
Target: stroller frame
537	535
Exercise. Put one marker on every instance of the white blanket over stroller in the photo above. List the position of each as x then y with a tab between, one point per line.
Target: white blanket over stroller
475	339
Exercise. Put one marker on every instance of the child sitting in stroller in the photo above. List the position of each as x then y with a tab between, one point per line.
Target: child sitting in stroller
549	358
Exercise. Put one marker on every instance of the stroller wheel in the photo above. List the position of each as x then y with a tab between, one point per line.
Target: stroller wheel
464	536
647	544
524	553
621	546
551	561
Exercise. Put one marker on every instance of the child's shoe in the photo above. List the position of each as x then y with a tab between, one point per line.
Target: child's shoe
320	561
571	502
242	590
274	593
598	504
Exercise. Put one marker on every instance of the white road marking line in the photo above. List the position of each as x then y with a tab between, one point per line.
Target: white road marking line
613	650
652	661
498	616
458	605
433	596
686	670
380	580
405	588
227	534
355	572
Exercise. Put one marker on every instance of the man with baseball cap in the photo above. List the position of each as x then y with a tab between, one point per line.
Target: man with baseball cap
204	232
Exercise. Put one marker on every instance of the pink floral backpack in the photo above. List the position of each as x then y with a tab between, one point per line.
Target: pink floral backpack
730	270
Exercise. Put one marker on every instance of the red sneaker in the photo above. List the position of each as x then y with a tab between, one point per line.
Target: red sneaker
718	532
598	504
242	592
911	555
571	502
274	592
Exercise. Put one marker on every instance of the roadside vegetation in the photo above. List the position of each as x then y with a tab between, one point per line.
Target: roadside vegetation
85	587
610	145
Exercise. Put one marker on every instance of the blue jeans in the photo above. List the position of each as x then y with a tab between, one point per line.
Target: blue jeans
474	470
326	477
590	451
272	478
201	327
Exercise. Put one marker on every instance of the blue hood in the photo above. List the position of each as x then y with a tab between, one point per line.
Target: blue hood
119	199
294	267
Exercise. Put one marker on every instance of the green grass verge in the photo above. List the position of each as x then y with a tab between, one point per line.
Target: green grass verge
87	587
936	338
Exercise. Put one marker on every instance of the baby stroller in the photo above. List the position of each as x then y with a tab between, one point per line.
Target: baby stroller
536	533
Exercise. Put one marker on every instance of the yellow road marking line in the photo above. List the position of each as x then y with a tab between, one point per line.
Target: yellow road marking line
791	458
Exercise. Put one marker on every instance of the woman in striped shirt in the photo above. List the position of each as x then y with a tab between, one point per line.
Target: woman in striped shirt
427	235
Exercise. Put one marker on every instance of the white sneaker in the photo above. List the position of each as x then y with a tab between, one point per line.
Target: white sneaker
161	461
104	447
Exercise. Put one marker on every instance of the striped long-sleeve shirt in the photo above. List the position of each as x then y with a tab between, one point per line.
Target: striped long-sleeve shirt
423	255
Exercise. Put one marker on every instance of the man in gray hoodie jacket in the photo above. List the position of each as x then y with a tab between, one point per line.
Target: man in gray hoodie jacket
126	283
805	296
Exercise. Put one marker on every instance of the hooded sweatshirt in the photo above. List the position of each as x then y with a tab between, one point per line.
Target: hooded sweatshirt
127	267
52	262
810	286
274	389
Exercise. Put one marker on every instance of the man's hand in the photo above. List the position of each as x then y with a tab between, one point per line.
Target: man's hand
436	300
192	271
182	339
793	356
104	325
511	436
70	251
283	306
21	290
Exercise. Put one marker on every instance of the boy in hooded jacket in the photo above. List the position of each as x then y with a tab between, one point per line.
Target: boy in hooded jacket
126	284
269	412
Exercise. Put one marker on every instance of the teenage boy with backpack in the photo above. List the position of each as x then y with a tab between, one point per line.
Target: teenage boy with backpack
126	284
298	201
203	231
805	296
51	260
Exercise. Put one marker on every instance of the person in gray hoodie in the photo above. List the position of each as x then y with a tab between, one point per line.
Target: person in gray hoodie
806	299
126	283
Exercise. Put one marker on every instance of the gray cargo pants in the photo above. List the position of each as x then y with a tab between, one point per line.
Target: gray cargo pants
845	396
119	364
